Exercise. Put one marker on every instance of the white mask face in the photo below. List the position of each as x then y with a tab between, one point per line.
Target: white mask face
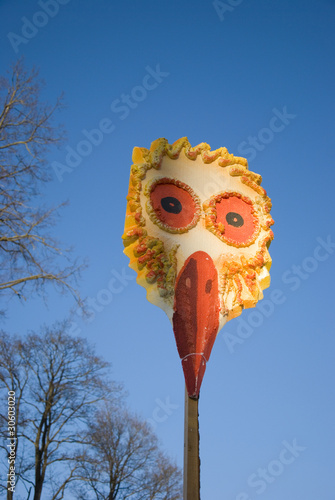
197	233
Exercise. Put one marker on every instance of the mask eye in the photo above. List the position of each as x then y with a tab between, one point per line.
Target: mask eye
233	218
173	205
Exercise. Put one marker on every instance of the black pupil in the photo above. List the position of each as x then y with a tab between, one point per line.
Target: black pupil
171	205
234	219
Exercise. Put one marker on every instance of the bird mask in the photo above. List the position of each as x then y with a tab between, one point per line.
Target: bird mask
197	233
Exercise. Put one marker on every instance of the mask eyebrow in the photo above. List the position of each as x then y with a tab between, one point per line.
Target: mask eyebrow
238	170
253	181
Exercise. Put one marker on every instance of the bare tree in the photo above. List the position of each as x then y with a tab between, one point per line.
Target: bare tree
123	461
29	256
59	381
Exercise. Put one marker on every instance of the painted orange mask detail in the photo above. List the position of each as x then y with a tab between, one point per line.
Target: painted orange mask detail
173	205
236	218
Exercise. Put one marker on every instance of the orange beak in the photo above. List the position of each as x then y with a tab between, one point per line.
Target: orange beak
196	317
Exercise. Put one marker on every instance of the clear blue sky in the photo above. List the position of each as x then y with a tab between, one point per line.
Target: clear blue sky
267	407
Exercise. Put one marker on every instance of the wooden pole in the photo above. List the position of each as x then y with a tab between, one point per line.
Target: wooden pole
191	450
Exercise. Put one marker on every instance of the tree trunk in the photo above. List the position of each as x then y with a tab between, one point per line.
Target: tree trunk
39	477
38	490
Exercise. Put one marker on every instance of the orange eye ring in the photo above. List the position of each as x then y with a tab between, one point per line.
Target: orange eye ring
172	205
233	218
